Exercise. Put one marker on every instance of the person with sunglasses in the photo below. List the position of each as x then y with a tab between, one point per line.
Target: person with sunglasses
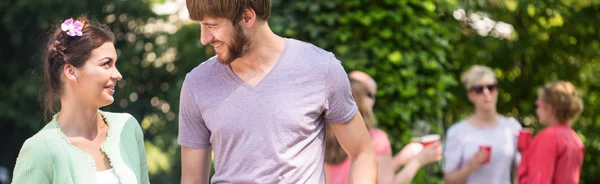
556	153
483	147
412	156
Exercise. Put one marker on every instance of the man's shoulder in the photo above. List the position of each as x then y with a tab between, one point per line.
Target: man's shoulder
209	65
204	70
307	47
308	51
308	58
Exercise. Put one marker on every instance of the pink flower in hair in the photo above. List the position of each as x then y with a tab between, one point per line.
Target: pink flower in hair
72	28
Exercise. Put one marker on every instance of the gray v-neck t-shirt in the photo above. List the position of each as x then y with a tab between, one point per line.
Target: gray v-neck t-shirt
272	132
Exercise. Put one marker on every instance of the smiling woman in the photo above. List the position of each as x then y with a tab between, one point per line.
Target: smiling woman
87	145
71	53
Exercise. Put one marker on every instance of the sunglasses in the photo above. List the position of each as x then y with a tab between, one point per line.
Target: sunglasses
479	88
539	103
370	95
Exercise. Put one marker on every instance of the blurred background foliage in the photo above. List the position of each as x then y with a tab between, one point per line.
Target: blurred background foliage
415	50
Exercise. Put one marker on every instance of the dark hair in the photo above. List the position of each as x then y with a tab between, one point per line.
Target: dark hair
229	9
562	96
334	154
63	49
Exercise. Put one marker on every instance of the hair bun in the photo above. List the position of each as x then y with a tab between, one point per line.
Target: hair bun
562	95
84	21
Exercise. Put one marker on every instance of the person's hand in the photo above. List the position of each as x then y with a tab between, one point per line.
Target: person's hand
430	154
411	150
407	154
478	159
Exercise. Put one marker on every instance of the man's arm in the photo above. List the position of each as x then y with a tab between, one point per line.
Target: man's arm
195	165
354	139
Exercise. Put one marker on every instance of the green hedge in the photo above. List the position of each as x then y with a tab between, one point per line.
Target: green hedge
415	49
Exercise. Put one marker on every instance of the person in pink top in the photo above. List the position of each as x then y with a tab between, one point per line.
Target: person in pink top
413	156
556	153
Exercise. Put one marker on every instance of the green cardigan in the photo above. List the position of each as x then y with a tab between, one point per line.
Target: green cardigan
48	157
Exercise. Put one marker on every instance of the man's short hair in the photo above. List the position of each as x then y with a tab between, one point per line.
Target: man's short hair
228	9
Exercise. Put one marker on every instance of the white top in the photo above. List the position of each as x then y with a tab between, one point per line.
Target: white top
107	177
463	140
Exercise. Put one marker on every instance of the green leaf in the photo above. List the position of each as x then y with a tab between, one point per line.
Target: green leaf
395	57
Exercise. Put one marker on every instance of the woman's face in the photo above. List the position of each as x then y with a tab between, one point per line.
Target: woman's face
544	112
97	79
484	95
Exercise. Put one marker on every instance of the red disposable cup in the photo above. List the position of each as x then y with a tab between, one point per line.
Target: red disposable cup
525	136
487	148
428	140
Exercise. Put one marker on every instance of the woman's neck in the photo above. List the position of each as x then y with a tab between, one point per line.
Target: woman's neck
552	121
483	118
78	120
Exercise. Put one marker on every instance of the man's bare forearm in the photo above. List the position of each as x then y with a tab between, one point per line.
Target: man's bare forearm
363	168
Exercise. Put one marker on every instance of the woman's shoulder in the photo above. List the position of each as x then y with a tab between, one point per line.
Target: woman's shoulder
377	132
37	156
122	122
119	118
380	141
548	132
42	142
378	135
50	134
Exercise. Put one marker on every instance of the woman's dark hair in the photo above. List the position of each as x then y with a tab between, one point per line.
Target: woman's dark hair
62	49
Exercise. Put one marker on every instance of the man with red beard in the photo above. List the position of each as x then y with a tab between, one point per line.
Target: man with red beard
262	102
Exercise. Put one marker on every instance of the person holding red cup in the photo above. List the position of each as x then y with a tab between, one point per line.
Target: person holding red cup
556	153
488	150
482	148
432	140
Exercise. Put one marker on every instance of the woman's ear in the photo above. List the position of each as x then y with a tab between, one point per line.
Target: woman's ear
70	72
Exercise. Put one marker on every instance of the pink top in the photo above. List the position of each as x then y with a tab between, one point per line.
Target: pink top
554	157
338	174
